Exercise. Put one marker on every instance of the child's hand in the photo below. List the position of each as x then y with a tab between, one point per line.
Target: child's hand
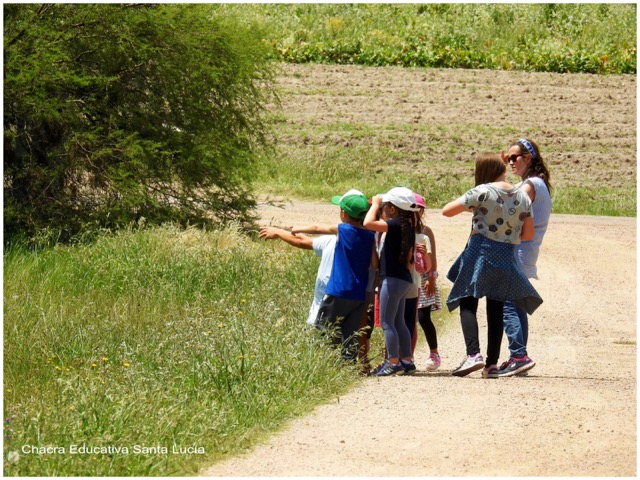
505	158
430	287
269	233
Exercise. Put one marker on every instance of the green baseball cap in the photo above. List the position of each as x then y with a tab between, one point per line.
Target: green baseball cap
354	203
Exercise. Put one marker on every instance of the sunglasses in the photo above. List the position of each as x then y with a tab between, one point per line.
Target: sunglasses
513	158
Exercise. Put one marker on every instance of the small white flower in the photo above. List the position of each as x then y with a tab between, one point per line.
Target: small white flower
13	457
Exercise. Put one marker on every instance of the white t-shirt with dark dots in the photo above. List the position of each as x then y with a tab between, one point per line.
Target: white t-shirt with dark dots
498	214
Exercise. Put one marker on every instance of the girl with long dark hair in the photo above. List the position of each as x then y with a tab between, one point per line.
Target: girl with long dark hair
399	224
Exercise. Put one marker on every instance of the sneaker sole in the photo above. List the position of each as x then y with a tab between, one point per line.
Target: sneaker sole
464	373
522	371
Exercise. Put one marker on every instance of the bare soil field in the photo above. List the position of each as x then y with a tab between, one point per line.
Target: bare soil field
438	118
575	413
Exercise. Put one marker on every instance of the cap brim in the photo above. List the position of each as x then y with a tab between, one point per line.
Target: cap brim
336	200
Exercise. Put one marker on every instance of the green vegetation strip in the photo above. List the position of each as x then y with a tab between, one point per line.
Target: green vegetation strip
563	38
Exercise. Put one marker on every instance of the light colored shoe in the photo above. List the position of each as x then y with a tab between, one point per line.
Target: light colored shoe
433	362
471	363
490	372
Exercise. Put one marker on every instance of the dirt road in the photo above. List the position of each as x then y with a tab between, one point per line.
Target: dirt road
574	415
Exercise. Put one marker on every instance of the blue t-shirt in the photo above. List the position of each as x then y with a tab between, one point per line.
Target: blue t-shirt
351	260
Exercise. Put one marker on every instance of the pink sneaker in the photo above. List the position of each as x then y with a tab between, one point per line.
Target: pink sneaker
433	362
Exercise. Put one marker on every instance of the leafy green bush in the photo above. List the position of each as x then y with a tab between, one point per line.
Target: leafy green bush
113	113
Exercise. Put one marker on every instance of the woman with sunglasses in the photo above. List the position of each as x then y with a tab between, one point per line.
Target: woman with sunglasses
527	163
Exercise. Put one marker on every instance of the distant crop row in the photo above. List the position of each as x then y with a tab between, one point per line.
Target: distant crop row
563	38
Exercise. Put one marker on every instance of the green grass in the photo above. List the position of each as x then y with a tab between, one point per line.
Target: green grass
562	38
316	174
314	161
160	338
595	201
157	337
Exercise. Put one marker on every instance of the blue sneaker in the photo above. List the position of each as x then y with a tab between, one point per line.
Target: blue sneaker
386	369
409	367
516	366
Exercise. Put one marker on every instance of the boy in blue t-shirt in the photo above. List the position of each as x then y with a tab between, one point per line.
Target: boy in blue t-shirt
345	300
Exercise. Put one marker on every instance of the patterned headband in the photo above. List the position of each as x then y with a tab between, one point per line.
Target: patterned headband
529	147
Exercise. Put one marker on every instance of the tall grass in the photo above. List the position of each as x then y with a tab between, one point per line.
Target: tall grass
157	338
585	38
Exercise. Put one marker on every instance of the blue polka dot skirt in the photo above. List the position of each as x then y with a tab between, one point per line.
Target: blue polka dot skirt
487	268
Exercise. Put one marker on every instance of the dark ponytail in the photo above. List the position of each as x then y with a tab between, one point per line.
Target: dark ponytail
410	224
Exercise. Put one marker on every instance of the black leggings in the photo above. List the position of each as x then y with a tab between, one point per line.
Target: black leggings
424	317
469	321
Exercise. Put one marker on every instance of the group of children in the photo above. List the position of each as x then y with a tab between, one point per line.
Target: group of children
379	266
